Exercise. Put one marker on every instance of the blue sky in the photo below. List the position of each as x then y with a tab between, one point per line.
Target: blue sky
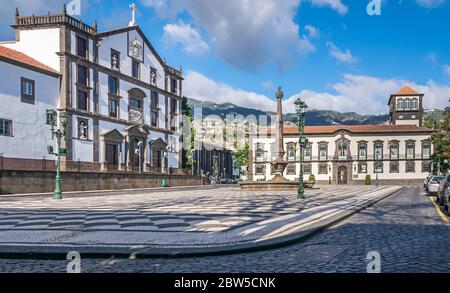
329	52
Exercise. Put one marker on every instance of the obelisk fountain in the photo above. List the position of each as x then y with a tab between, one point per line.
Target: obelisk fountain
279	164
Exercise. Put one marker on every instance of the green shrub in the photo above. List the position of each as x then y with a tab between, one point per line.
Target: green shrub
312	178
368	180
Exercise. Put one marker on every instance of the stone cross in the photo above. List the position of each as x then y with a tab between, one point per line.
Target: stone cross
133	15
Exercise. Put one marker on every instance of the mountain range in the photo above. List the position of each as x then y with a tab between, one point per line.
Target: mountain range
313	117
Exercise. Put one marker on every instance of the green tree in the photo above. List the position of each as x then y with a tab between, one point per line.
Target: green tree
241	156
187	112
441	140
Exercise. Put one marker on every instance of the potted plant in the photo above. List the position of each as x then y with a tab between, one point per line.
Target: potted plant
367	180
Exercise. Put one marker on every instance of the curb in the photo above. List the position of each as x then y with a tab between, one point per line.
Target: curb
55	252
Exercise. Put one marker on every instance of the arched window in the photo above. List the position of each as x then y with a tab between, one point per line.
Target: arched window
401	104
414	104
408	104
342	148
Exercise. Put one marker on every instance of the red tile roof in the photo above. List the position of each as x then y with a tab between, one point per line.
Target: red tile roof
24	59
293	130
406	90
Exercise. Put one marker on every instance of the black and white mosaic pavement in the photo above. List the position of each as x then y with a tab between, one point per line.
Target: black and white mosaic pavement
213	210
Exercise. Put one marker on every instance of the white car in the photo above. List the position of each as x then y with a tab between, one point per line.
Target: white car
433	184
425	182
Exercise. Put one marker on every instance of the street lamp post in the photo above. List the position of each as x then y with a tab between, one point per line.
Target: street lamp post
215	168
303	142
60	134
376	169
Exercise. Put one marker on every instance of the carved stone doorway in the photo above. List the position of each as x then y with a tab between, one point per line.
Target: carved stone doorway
342	175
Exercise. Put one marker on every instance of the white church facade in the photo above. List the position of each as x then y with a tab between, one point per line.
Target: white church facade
122	100
398	152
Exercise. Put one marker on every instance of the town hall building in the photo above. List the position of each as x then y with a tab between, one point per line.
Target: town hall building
122	100
398	152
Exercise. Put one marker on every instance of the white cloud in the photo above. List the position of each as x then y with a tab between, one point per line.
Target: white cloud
340	55
354	93
369	95
185	35
246	33
447	69
334	4
430	3
312	32
200	87
268	85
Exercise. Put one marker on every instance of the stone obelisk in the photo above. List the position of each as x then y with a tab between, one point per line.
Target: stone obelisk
279	164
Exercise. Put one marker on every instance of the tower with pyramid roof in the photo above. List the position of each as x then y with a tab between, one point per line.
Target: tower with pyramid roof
406	107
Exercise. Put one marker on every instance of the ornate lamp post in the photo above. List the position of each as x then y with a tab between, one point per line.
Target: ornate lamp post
60	134
377	155
303	142
215	158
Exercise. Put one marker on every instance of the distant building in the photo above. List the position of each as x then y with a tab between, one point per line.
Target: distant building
122	99
400	152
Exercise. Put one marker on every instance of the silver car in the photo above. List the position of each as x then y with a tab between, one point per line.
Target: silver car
433	184
442	194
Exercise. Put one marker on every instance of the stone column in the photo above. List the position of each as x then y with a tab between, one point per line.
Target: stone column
103	154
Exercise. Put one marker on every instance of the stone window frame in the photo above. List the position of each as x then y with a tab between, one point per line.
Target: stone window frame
424	142
413	142
396	163
307	170
87	100
86	40
289	171
260	150
318	147
10	122
138	94
117	93
24	97
173	113
375	163
263	172
337	142
322	165
375	149
289	147
410	170
173	89
138	72
360	171
362	143
84	83
117	101
397	144
428	164
308	146
154	108
117	53
86	121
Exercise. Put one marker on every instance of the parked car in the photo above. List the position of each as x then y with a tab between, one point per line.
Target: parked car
433	184
442	193
425	182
